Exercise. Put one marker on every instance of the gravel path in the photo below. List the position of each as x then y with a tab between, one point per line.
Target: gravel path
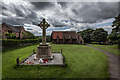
113	61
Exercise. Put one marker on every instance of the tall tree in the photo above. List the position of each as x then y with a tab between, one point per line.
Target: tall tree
86	35
113	36
99	35
28	35
116	24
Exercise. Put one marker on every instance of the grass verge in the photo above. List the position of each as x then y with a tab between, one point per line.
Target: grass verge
108	48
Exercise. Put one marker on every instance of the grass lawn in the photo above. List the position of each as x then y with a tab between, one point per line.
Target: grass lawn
82	62
111	49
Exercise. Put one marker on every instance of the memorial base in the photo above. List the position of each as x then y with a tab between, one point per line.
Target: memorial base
44	51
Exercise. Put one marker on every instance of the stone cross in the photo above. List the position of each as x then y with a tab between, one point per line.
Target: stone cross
44	25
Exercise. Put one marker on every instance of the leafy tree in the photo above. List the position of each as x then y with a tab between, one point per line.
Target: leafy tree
48	38
116	24
113	36
99	35
86	35
28	35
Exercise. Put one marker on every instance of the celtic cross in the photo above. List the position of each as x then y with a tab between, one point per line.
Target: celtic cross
44	25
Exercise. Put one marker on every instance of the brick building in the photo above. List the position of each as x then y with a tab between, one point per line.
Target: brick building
17	30
66	37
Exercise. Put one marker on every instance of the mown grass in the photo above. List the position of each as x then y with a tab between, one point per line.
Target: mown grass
82	62
108	48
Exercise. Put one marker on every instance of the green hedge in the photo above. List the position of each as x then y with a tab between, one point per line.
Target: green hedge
12	42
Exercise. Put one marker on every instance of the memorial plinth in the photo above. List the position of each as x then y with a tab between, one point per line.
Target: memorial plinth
44	51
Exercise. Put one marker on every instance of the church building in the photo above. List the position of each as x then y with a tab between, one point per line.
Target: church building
66	37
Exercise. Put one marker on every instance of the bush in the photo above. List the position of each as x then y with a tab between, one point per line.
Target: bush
10	35
13	43
28	35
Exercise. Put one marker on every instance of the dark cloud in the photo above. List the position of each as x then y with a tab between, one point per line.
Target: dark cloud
3	7
42	5
19	12
63	4
77	12
57	23
13	21
92	12
31	15
22	15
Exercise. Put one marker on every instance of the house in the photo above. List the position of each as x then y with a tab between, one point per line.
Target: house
66	37
17	30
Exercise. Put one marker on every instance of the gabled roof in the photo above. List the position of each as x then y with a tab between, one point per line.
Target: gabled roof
15	28
65	34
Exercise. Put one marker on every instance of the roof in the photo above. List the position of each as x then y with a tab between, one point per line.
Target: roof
15	28
65	34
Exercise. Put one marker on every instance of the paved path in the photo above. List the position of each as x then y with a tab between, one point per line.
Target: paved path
113	61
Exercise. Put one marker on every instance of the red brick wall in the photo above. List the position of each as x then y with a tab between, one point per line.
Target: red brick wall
71	37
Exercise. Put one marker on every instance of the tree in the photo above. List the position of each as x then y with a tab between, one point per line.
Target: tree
113	36
28	35
116	24
99	35
86	35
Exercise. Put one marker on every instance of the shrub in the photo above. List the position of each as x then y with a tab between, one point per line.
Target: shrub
28	35
10	35
14	43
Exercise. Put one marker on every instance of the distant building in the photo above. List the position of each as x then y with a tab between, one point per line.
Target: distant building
66	37
17	30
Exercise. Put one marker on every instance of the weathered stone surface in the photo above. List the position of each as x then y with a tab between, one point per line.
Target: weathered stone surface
57	60
44	51
43	25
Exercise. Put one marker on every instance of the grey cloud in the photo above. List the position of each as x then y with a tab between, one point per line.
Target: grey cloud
92	12
56	23
28	16
89	12
63	4
75	11
19	12
42	5
13	20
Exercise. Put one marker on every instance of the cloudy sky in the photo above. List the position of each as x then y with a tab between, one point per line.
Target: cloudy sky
62	16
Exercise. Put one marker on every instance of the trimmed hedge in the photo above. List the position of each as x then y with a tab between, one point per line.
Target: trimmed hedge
14	43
